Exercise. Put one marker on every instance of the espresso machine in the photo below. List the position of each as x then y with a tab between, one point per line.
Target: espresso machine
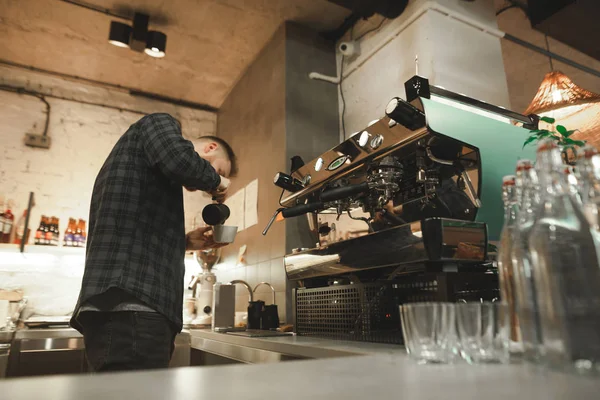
401	211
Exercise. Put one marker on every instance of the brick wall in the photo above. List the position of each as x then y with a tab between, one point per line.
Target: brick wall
62	177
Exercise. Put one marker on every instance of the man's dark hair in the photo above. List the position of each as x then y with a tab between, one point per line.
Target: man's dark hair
228	151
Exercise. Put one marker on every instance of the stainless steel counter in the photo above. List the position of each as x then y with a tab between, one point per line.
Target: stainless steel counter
379	376
274	349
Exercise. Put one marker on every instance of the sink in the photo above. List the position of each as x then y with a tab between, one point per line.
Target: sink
255	333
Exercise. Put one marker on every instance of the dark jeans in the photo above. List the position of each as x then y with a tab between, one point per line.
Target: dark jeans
127	340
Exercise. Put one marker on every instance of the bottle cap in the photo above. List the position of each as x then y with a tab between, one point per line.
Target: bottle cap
546	144
508	180
588	151
523	165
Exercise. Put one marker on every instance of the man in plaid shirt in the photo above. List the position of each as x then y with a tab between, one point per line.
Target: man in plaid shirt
130	305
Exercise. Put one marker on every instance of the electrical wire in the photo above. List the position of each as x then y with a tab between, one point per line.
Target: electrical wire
96	8
362	35
342	96
11	89
512	5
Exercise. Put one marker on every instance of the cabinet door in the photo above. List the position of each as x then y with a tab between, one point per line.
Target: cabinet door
51	363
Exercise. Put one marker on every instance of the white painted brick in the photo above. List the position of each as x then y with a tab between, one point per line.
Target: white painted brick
62	177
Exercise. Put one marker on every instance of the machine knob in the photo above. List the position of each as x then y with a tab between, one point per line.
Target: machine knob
207	310
376	142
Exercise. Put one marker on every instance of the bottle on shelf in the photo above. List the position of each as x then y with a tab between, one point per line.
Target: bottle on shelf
69	238
51	233
39	233
1	217
525	290
56	235
9	220
80	235
46	234
19	232
566	271
506	270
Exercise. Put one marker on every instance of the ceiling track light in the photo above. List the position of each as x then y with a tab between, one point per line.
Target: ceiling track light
138	38
119	34
156	44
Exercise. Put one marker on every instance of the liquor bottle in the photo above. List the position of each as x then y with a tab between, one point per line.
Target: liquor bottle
19	231
588	167
566	271
524	285
505	264
1	217
38	240
80	233
9	220
68	239
46	234
56	236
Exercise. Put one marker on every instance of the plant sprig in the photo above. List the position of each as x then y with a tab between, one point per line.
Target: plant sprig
561	136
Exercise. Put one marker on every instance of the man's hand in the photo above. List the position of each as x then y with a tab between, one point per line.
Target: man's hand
201	239
220	193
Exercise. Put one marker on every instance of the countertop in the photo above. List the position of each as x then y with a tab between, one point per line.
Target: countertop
299	346
381	372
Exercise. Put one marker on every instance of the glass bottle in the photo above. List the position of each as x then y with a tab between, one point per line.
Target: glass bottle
69	233
588	167
505	265
9	221
566	271
573	183
524	284
38	240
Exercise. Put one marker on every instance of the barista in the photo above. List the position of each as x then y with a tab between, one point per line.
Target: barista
130	305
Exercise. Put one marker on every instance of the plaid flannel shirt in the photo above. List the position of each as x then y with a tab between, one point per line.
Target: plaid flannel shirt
136	237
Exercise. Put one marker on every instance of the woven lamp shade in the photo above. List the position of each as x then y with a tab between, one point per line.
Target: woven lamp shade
558	91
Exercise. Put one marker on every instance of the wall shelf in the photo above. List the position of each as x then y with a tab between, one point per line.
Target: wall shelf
34	249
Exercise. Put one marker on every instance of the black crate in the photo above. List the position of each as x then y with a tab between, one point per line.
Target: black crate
370	312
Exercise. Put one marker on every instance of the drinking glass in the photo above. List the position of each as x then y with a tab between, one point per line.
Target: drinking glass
429	331
483	332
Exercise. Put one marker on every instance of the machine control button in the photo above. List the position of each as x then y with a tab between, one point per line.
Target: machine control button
319	164
207	310
363	139
376	141
338	162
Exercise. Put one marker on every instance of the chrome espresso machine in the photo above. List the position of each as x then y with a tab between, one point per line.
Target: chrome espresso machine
403	210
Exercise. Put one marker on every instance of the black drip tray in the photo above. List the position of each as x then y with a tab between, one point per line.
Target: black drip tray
259	333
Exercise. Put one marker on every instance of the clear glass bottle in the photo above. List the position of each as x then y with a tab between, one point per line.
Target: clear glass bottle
566	271
527	309
505	265
588	168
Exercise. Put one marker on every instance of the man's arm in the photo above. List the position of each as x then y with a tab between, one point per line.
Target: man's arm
166	149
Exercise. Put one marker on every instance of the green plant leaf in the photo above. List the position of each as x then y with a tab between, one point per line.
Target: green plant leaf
571	142
569	133
548	120
530	139
561	129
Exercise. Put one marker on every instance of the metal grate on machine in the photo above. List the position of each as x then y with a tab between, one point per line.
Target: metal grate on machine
369	312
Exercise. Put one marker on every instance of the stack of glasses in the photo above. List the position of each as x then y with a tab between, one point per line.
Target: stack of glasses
448	332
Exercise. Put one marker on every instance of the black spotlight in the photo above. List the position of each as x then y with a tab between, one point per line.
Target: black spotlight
119	34
156	44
